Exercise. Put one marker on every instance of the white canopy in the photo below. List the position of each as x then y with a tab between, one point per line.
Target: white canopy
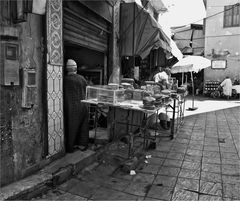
191	64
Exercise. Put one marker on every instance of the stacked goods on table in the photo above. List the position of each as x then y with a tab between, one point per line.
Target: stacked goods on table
150	94
148	103
158	99
210	86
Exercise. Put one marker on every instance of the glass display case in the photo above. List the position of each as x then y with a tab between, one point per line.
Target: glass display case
105	94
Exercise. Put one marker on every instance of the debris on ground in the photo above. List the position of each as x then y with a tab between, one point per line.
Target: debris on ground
132	172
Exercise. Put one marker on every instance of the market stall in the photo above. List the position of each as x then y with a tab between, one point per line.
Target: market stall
148	103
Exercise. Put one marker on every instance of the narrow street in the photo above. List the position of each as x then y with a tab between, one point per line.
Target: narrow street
201	163
120	100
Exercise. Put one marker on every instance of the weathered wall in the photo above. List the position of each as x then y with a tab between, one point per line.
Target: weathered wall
219	38
22	128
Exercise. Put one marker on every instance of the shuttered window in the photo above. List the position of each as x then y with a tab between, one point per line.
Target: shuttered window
232	15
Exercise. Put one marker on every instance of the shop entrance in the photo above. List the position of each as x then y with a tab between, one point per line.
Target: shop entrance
90	62
86	41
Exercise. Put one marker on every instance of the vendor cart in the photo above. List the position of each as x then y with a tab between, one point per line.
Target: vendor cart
135	130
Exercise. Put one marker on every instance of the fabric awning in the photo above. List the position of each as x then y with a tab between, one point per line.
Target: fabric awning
140	33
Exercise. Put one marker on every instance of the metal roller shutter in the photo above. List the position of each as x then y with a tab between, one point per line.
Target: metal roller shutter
81	30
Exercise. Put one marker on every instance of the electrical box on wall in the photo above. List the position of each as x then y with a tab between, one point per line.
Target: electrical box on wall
9	70
29	88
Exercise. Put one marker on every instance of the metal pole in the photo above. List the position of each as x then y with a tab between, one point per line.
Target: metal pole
192	108
192	90
133	43
182	78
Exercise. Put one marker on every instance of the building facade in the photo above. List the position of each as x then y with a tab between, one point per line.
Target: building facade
222	36
34	48
36	41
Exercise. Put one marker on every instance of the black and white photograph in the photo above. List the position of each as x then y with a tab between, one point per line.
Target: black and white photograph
120	100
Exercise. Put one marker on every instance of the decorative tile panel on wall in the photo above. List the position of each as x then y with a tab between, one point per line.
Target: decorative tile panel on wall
54	32
55	77
55	110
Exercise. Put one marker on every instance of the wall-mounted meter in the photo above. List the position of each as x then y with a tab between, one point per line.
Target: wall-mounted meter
9	69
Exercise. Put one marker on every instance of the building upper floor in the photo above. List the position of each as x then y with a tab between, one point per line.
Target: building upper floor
222	18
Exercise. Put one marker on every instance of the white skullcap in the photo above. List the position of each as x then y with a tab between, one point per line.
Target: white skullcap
71	65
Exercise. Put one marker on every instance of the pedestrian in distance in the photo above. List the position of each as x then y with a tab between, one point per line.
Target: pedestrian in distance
227	87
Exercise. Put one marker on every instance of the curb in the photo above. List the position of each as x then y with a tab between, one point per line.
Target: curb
54	174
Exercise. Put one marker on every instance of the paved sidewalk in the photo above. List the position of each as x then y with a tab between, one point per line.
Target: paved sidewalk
201	163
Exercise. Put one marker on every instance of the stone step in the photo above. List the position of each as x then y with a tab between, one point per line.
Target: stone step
53	174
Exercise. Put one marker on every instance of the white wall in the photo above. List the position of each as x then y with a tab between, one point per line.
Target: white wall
219	38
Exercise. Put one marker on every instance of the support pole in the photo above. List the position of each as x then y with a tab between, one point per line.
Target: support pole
133	42
182	78
192	108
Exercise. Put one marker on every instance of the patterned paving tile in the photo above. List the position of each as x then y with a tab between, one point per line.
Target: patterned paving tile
166	181
196	142
193	158
210	188
155	161
211	154
231	191
180	195
227	161
158	154
228	142
175	155
144	178
182	140
152	169
165	143
81	188
184	135
197	137
163	148
181	150
160	192
231	169
187	184
228	155
210	139
191	165
211	135
191	174
211	177
114	183
61	195
210	198
178	145
211	143
211	160
122	175
231	179
172	163
109	194
138	189
211	168
211	148
194	152
196	146
150	199
169	171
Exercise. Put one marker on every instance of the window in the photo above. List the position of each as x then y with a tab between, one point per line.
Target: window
232	15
